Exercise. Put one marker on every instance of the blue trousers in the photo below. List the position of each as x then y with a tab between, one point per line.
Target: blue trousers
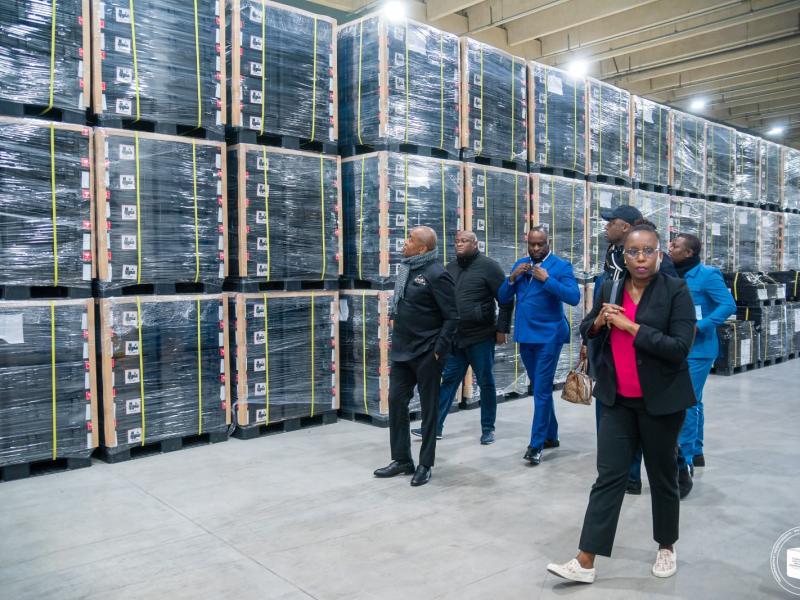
691	437
540	362
480	357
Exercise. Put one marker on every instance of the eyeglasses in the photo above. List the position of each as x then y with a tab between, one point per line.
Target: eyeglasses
634	253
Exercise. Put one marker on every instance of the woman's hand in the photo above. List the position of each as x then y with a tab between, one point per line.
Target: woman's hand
623	323
604	315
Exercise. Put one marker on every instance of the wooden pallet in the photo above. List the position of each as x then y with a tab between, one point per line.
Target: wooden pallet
379	420
116	455
42	467
37	292
105	290
254	286
285	426
349	150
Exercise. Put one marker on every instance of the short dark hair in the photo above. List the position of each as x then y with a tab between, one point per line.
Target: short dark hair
692	242
540	229
645	227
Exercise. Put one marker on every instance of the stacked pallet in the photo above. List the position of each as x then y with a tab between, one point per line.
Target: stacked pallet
650	143
609	132
687	215
790	200
601	197
688	153
770	173
747	184
719	240
746	236
720	161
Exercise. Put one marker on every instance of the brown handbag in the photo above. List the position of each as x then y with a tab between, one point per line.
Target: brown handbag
578	387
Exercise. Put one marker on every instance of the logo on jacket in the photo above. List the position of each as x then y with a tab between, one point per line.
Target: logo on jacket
420	280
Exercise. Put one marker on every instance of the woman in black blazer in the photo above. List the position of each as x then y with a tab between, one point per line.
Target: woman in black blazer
644	327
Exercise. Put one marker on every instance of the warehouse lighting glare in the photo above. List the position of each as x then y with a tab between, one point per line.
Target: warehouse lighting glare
697	104
578	68
777	130
394	10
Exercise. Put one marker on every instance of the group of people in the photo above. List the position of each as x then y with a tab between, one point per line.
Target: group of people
650	338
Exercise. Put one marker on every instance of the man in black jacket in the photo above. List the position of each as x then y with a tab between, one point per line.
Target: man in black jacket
477	278
425	319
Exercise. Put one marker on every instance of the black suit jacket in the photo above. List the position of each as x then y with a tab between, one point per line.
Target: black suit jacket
426	317
666	317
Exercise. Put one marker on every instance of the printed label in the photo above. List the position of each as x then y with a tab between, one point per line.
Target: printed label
259	365
716	229
261	415
130	318
262	191
130	271
479	202
124	75
133	407
258	311
135	436
127	182
123	15
123	106
128	212
261	217
259	337
554	85
129	242
131	376
11	328
260	389
255	97
132	348
127	152
773	327
262	164
255	69
762	294
262	270
745	353
256	43
261	244
122	44
255	14
255	123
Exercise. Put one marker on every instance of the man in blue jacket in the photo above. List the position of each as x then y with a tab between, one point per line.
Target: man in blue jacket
540	283
713	304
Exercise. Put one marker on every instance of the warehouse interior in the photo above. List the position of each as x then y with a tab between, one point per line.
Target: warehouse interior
203	206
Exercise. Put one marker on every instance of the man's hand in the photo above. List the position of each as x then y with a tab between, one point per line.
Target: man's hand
500	338
540	274
521	269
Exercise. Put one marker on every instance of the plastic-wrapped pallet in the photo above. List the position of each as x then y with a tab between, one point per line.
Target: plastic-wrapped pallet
159	62
286	347
48	395
791	179
165	370
747	161
720	160
609	129
746	223
364	353
398	83
277	229
687	215
559	205
497	209
557	114
771	173
718	247
42	53
282	70
791	242
793	328
162	209
510	376
769	242
650	161
753	288
385	195
494	115
45	204
601	197
570	352
770	324
737	346
654	207
688	152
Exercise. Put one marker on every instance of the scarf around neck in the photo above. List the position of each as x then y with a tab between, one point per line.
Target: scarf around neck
405	267
687	265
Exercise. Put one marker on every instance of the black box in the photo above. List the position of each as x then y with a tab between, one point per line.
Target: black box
687	152
738	345
601	197
719	244
609	129
720	160
747	167
650	161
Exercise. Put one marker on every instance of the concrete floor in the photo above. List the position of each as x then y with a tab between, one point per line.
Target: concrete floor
299	515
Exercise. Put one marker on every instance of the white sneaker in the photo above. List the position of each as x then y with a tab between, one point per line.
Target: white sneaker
666	564
573	571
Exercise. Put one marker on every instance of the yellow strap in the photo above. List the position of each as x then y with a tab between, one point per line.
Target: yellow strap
407	92
196	226
481	143
199	373
266	359
405	219
364	348
138	211
441	91
575	127
53	378
358	104
735	347
360	248
141	363
553	213
52	60
266	205
263	69
735	287
197	66
513	102
444	214
322	212
796	275
314	86
313	361
53	199
135	58
485	210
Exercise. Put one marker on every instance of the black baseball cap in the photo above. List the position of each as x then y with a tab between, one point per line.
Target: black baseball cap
627	213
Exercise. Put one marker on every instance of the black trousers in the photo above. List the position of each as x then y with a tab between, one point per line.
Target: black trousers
425	372
623	427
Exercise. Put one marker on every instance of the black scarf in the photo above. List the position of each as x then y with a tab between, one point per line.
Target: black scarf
687	265
404	270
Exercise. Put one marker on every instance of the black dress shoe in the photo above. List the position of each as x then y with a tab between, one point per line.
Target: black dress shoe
685	483
533	455
395	468
421	476
551	443
634	487
487	438
699	460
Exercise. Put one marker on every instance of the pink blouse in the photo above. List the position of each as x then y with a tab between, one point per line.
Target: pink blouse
625	355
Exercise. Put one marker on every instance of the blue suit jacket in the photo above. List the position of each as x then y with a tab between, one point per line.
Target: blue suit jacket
713	304
539	315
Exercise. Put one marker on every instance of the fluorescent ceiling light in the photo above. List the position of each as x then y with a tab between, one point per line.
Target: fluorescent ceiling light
777	130
578	68
697	104
394	10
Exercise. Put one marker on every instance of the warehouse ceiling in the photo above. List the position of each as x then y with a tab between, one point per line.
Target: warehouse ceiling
742	58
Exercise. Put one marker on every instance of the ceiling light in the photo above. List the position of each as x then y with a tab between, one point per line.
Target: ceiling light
777	130
578	68
697	104
394	10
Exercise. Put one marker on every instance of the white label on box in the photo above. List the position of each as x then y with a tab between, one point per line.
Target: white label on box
255	14
85	351
129	242
124	75
255	69
261	415
481	225
477	125
11	328
797	320
544	188
554	85
87	241
262	270
122	44
399	220
262	191
129	212
259	365
686	210
398	244
715	229
261	243
84	321
782	290
762	294
482	246
773	327
255	97
400	85
743	218
344	310
123	106
399	59
133	407
87	272
256	42
745	353
258	310
132	348
477	102
260	389
127	182
123	15
261	163
131	376
261	217
85	179
255	123
479	202
480	179
259	337
130	272
605	199
135	436
127	152
130	318
399	196
88	415
647	113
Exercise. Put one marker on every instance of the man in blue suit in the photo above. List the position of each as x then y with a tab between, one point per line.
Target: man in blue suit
540	283
713	304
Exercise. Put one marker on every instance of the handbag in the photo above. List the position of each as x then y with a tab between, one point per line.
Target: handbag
578	386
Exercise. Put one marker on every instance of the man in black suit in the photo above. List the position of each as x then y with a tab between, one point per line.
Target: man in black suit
425	319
